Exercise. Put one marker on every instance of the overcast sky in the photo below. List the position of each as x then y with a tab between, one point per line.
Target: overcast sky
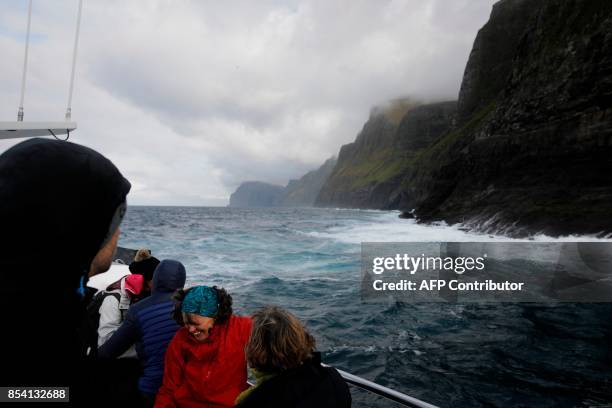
190	98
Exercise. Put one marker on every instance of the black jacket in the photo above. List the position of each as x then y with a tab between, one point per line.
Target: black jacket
57	200
309	386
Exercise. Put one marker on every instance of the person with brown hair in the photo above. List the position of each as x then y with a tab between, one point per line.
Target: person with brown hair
282	356
205	362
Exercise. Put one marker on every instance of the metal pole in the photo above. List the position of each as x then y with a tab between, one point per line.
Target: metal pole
74	55
388	393
25	64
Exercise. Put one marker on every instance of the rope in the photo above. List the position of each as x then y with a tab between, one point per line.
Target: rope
25	64
57	138
74	55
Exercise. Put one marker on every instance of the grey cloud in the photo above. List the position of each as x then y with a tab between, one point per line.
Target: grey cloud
248	90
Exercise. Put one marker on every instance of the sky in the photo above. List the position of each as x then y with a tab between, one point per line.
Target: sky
191	98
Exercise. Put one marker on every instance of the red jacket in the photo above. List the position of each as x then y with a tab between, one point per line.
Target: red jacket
209	374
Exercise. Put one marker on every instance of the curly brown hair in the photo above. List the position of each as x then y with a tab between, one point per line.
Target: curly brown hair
279	341
224	310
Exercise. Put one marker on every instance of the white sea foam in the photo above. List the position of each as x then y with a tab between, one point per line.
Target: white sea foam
369	349
388	227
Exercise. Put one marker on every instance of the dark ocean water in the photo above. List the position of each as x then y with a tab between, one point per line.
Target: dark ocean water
308	260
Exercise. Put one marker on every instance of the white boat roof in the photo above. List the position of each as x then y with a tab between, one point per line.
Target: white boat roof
11	130
102	280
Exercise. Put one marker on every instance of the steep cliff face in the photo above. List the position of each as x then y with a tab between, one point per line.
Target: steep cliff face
532	149
304	191
490	62
369	171
359	167
256	194
528	147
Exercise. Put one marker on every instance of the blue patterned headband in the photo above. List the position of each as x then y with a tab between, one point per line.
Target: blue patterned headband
201	300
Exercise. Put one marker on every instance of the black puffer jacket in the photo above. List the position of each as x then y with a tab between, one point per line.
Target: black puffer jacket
309	386
57	200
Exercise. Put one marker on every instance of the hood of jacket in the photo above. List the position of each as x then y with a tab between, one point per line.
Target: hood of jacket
57	202
169	276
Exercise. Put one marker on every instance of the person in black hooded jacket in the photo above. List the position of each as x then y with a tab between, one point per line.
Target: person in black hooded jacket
288	371
60	209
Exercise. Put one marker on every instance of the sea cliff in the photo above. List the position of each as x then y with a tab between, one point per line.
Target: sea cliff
301	192
256	194
528	146
370	170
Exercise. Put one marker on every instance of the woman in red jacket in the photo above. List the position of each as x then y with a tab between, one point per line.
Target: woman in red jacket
205	361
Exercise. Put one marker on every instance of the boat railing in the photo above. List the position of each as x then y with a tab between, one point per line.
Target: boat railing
374	388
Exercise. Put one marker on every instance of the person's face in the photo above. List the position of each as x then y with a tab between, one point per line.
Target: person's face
199	326
104	257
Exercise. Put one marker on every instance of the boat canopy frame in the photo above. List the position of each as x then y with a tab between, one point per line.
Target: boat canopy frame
12	130
20	129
